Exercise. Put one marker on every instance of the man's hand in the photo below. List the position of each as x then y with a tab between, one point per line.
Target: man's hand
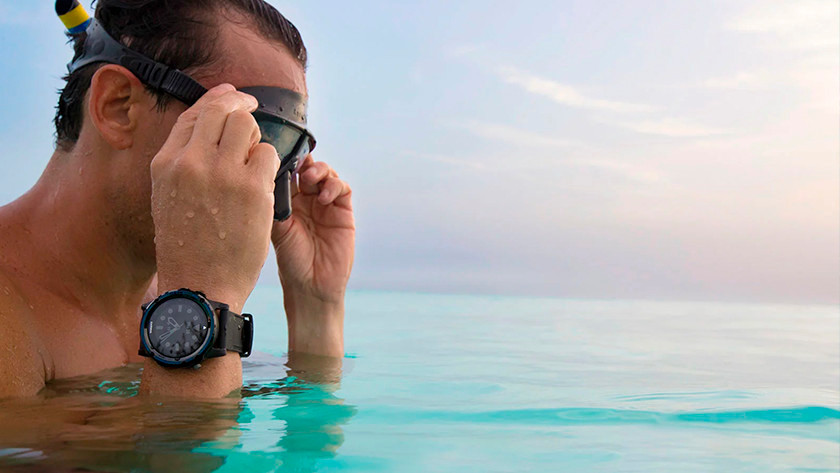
314	255
212	201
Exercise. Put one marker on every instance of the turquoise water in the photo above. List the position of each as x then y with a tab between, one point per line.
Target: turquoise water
477	383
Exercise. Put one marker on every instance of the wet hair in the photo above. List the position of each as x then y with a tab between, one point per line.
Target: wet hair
179	33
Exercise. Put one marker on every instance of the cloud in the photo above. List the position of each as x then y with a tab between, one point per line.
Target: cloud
804	24
508	134
808	31
671	127
569	96
746	80
816	80
564	94
629	171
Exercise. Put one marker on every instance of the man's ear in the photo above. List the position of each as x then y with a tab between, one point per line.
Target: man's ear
116	102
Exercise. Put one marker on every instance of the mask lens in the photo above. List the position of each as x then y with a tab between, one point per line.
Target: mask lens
283	137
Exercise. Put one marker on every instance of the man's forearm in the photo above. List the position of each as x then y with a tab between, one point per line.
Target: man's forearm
315	326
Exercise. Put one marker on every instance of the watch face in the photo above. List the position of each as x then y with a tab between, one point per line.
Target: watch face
178	328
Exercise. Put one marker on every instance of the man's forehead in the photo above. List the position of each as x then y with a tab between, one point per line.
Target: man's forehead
248	59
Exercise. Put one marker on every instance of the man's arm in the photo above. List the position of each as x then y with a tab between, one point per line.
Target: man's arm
314	250
316	327
212	201
216	241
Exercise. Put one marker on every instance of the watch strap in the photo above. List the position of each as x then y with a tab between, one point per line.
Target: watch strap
236	332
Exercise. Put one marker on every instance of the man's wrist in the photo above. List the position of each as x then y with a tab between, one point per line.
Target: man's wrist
218	376
211	291
316	326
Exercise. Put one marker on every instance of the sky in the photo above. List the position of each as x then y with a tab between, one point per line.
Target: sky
583	149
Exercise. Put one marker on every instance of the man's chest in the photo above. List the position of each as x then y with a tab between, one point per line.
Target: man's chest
76	343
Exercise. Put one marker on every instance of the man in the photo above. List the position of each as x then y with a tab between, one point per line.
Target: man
145	195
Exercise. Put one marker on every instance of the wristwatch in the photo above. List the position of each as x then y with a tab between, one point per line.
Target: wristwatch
183	328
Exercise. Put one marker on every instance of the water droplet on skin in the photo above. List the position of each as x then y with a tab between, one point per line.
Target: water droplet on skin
80	171
222	235
180	242
173	193
190	214
31	306
6	290
214	210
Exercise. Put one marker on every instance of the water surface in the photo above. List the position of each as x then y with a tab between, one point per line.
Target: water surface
477	383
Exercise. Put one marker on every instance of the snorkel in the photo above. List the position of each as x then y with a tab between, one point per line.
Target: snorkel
281	113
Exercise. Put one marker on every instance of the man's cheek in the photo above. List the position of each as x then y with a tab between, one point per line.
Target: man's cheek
159	127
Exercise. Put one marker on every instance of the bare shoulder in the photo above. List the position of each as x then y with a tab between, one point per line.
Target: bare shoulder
22	370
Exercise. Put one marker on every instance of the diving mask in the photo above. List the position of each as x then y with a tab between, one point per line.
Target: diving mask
281	114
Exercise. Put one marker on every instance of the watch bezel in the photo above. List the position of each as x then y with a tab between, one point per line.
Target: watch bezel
197	355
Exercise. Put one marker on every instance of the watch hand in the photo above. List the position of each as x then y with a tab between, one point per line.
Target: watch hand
173	322
168	334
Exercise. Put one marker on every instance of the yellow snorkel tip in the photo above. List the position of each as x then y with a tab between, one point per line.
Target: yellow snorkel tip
73	15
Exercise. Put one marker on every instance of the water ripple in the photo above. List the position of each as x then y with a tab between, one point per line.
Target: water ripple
592	416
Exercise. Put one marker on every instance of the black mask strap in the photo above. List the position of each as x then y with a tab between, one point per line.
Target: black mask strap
101	47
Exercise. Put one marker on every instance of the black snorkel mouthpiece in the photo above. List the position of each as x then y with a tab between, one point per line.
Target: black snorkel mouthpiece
283	196
281	114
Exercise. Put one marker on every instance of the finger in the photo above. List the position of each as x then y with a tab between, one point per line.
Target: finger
345	200
213	114
182	131
240	135
308	161
310	178
331	189
263	164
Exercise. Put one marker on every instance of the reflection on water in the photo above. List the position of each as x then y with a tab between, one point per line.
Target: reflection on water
97	423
